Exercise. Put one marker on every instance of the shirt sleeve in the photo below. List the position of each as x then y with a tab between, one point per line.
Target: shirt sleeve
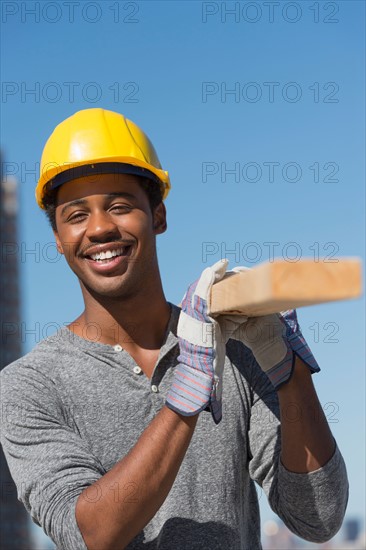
312	505
50	464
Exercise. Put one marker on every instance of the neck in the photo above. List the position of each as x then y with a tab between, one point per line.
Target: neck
134	322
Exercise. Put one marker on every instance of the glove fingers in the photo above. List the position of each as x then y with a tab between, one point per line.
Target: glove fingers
210	276
201	289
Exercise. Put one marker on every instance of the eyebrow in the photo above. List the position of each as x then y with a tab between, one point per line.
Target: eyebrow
108	196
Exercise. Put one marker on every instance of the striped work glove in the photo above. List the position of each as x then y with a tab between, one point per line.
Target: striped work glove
197	382
275	340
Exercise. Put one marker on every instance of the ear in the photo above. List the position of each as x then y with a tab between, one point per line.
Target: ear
58	243
159	219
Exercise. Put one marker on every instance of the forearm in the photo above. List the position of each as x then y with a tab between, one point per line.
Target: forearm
306	440
113	519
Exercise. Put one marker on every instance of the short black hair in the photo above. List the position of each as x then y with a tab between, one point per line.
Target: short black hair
151	188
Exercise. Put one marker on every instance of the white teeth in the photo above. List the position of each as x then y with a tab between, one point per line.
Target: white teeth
108	254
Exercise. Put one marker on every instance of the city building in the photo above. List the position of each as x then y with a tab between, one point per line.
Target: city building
14	522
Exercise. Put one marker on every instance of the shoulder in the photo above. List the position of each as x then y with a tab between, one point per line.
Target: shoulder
41	363
29	389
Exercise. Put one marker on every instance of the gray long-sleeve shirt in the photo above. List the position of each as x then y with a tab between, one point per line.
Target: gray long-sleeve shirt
72	408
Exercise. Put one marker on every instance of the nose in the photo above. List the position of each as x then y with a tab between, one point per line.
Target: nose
101	226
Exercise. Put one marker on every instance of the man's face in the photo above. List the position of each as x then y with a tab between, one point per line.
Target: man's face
107	231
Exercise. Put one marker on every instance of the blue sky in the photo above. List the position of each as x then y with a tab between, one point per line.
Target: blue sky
257	114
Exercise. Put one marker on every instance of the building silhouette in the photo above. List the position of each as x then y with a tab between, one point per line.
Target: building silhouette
14	523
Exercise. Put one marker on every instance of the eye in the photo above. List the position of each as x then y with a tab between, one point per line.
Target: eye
77	217
121	208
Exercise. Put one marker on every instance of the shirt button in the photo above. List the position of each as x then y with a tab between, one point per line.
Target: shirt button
118	348
154	388
137	370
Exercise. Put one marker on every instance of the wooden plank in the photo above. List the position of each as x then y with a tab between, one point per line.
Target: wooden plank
280	285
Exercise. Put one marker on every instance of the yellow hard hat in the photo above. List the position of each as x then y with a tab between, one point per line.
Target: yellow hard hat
95	141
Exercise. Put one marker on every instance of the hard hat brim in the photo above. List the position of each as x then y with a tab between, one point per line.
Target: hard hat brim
114	166
97	169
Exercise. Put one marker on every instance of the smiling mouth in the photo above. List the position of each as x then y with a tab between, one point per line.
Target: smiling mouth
109	255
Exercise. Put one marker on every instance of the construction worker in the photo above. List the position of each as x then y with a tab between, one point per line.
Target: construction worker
141	424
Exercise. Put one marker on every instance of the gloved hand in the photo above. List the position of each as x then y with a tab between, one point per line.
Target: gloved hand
197	382
275	340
